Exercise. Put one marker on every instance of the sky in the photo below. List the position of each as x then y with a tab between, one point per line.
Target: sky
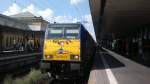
60	11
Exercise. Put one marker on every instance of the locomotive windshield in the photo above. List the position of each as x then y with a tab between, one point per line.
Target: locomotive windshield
67	33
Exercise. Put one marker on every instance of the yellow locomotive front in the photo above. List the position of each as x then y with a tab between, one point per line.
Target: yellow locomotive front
62	50
61	53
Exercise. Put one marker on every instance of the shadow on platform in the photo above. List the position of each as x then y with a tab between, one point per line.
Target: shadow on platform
110	60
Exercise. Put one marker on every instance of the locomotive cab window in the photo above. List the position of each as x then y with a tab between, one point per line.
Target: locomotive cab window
55	33
72	33
68	33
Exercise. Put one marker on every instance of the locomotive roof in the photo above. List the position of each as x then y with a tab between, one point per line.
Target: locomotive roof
65	25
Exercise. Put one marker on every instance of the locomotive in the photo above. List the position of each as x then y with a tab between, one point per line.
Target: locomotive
68	50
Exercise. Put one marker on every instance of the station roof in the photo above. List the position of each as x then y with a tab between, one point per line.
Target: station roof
35	23
119	17
12	23
27	17
24	14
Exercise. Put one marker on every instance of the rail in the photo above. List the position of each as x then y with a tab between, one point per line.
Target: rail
19	56
9	63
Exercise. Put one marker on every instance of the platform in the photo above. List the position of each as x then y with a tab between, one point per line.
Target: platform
112	68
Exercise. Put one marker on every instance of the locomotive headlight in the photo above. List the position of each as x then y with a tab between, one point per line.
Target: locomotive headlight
49	56
76	56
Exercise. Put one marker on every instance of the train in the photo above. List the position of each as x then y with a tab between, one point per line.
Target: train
68	50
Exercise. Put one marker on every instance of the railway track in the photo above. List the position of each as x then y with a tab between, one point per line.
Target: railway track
19	64
67	81
9	62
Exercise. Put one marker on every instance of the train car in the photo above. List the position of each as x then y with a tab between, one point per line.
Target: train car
68	50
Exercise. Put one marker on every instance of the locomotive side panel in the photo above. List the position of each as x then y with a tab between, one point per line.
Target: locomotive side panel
88	50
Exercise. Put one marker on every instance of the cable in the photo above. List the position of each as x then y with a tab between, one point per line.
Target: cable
78	12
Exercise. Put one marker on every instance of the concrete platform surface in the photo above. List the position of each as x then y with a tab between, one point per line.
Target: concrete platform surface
112	68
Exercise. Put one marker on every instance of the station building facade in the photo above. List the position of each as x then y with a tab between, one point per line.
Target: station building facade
21	29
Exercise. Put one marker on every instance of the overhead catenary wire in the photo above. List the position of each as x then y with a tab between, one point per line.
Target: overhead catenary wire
78	12
83	21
